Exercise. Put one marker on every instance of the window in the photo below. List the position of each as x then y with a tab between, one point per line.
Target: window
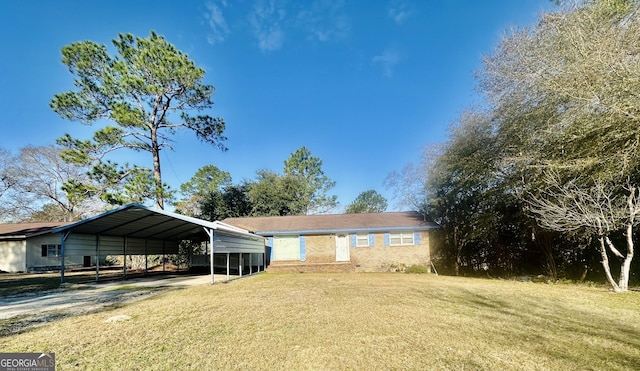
51	251
401	238
286	248
362	240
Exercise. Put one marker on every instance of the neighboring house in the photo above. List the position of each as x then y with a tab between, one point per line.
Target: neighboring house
30	246
372	242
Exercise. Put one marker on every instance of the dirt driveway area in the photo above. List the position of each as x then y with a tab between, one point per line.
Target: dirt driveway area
19	312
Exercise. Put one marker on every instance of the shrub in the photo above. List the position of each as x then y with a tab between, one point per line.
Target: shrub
417	268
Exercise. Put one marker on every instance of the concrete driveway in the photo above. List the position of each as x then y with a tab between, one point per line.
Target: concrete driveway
27	310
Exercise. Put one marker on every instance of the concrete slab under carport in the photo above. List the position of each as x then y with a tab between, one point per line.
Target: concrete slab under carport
166	280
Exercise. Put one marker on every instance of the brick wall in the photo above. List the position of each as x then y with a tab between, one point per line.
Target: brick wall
321	248
381	258
304	267
321	256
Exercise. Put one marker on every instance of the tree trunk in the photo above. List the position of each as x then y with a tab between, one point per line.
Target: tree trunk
545	243
457	262
605	265
157	174
583	275
626	265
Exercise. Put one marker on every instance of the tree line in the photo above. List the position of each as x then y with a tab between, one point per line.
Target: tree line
38	185
544	177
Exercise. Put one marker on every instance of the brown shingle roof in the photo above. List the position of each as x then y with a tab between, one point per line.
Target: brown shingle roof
22	230
333	222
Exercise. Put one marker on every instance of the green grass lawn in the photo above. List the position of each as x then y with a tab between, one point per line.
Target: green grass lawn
354	321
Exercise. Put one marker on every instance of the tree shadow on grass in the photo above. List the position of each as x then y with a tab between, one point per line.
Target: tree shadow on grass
557	330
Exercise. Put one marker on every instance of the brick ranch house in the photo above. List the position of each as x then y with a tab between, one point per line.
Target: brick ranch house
370	242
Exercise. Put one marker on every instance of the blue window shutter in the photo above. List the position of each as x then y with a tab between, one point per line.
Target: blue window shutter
272	254
371	239
387	239
354	243
303	249
416	238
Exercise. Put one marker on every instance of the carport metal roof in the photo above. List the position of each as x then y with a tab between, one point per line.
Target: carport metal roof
138	221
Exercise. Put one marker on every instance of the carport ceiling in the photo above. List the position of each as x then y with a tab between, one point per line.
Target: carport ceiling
138	221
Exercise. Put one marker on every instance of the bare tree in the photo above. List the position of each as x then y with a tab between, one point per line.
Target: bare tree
38	193
8	182
408	184
599	209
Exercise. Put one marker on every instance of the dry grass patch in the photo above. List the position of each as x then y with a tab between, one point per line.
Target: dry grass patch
354	321
22	283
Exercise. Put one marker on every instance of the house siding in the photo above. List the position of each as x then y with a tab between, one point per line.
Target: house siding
13	256
36	261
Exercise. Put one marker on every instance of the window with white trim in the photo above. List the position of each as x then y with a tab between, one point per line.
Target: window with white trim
51	250
400	238
362	240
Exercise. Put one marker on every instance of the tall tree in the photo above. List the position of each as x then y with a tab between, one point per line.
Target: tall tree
565	95
278	195
149	90
316	185
462	190
229	202
208	180
462	185
367	202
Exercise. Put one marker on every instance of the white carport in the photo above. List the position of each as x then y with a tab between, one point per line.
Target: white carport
139	230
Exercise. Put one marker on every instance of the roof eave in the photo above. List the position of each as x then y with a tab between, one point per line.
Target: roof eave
345	230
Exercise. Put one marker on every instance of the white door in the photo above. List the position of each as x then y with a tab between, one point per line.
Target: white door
342	248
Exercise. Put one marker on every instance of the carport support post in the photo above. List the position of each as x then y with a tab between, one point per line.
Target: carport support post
97	257
146	257
250	265
124	266
63	237
228	258
210	233
240	264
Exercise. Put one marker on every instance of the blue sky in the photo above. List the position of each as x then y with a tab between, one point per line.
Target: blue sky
364	85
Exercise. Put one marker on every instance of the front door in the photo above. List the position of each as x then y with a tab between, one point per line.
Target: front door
342	248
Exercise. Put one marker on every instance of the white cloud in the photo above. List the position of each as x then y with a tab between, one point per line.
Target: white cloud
272	21
324	20
387	60
217	23
270	40
399	11
266	20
